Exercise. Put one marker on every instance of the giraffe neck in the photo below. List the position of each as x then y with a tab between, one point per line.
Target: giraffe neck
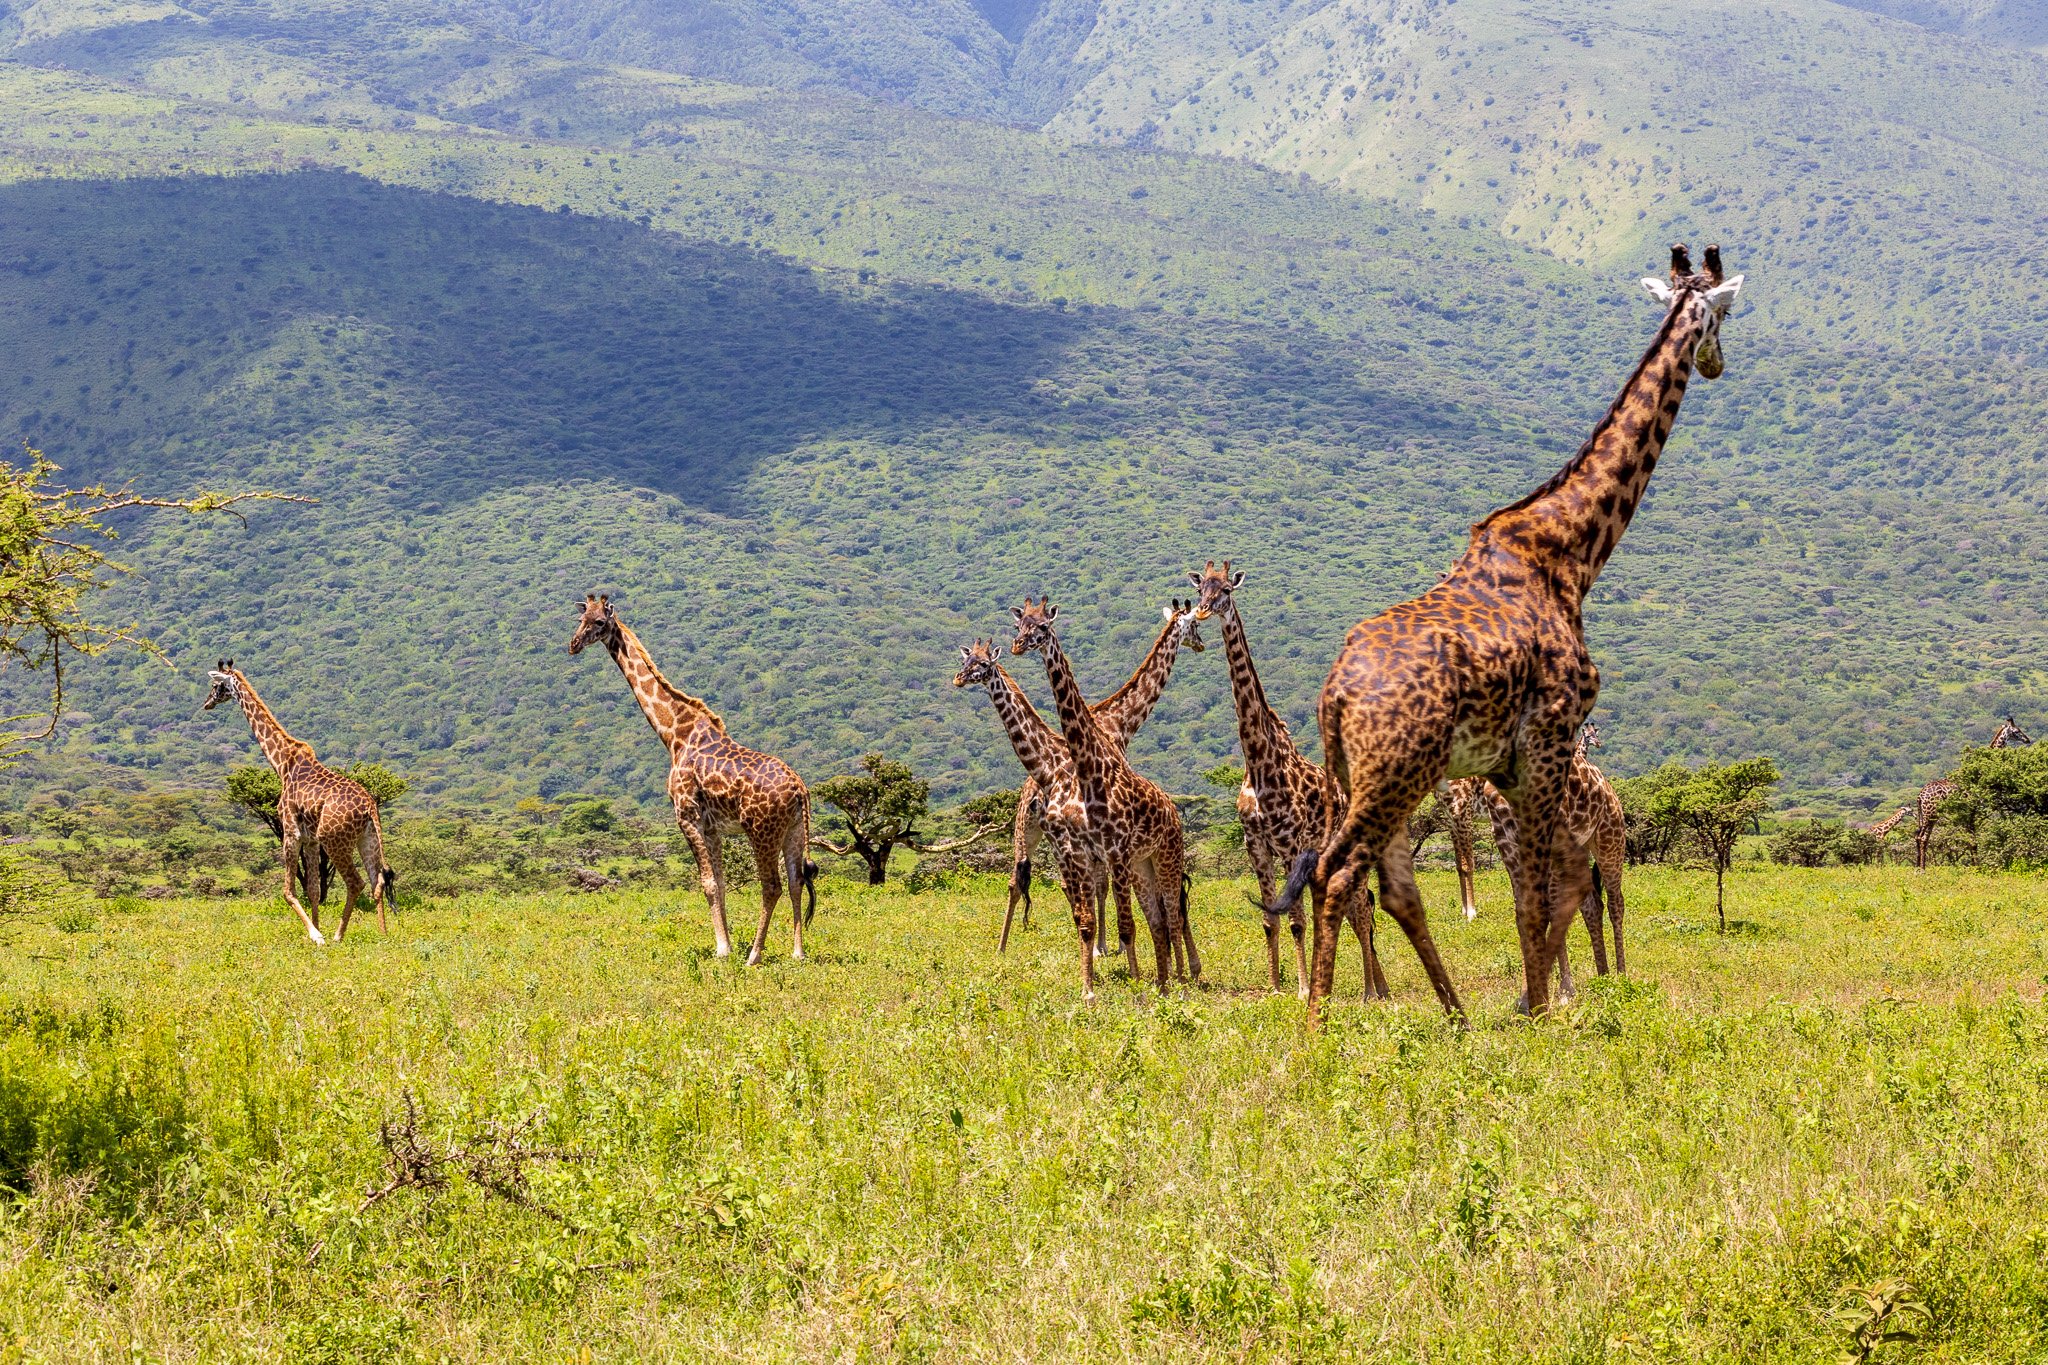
1037	744
280	747
1576	519
1125	710
1094	760
672	712
1260	733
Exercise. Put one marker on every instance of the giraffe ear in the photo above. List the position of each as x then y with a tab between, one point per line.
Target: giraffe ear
1052	613
1194	578
1659	290
1017	613
1721	295
1168	613
1237	580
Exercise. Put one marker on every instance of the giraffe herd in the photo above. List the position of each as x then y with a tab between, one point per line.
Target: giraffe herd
1480	689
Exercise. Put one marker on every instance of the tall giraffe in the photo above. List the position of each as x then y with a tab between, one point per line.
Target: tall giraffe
1285	803
318	809
1593	820
1128	823
1084	876
1928	804
1122	713
1487	673
718	787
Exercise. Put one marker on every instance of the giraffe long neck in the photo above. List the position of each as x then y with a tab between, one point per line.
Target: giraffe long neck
1037	744
1125	710
1578	516
1094	759
280	747
1259	731
672	712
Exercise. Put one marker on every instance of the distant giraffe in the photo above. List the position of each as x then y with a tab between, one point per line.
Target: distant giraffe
718	787
1285	803
1928	804
1127	822
1462	800
1122	713
318	809
1882	832
1593	821
1488	675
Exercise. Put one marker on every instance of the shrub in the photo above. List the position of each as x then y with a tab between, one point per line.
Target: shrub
1806	843
2015	841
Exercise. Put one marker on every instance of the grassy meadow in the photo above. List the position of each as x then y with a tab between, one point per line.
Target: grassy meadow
1829	1122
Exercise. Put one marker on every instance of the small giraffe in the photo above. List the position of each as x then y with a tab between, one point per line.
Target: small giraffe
1592	817
319	810
1882	832
1928	804
1128	823
718	787
1487	674
1285	803
1122	712
1462	799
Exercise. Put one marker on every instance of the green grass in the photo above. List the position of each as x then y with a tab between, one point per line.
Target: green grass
907	1148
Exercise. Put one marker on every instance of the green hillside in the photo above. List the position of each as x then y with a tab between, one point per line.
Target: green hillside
820	386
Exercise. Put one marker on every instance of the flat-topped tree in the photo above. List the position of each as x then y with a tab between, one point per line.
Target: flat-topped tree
1285	801
1122	713
319	812
1487	674
718	786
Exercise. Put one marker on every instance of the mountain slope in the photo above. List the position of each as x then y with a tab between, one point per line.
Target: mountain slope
820	387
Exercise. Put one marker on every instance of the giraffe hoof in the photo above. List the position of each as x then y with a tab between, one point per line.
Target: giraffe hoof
1471	913
797	955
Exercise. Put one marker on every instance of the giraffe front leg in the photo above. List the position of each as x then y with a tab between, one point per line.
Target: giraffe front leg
1593	912
1127	924
710	877
292	850
771	892
343	859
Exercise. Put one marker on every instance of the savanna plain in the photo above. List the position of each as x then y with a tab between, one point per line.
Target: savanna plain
554	1127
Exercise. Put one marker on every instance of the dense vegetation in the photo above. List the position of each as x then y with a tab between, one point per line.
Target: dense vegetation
820	386
591	1137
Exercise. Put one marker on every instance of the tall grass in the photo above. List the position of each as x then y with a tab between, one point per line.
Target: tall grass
908	1147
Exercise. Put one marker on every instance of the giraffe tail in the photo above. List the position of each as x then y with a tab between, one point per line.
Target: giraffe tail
810	891
385	879
1297	882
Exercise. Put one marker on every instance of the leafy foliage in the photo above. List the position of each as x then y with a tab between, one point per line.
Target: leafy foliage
1715	805
878	808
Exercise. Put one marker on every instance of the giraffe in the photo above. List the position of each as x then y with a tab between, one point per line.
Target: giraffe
1127	822
1462	799
1593	822
1487	673
318	809
1123	712
1882	832
1286	800
718	786
1928	804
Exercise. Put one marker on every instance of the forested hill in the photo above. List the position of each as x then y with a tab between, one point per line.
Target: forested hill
819	386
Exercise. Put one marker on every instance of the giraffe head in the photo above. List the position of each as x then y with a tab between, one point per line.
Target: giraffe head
977	664
1213	589
1187	634
1034	625
227	684
1589	737
595	620
1706	294
2011	736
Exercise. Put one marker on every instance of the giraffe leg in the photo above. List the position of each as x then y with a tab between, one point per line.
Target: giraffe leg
1023	841
1404	904
1126	923
370	846
1570	883
1461	852
793	873
1360	916
711	877
1297	927
292	851
1158	918
1081	894
1594	913
1611	873
342	855
767	860
1263	869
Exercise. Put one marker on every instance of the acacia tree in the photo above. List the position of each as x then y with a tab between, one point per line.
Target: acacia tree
1716	805
879	808
54	542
